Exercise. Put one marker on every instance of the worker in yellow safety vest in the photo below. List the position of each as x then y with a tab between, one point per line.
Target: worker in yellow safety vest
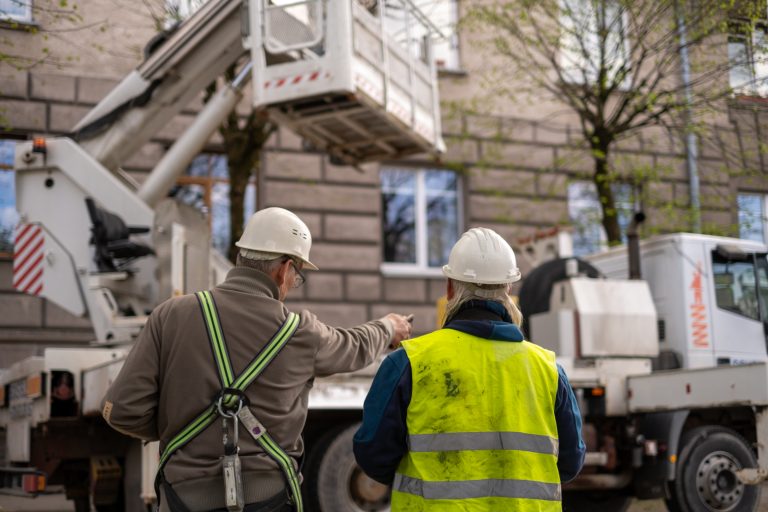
472	417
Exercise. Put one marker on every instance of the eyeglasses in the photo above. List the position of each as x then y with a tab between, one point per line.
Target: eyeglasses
299	276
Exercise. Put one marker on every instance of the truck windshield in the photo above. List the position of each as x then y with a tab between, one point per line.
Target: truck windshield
735	286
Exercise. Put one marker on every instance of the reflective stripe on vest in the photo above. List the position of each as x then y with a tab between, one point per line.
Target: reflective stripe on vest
468	489
241	383
482	441
481	426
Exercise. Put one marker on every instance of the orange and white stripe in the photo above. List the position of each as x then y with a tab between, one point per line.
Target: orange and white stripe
28	259
277	83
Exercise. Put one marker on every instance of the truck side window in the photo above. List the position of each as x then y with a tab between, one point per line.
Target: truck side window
762	285
735	286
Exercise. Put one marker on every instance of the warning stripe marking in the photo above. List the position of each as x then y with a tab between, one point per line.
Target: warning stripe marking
28	259
293	80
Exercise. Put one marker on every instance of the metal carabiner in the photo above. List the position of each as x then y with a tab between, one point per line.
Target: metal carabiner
227	412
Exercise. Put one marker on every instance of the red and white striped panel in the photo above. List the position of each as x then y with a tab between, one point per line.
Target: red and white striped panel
28	258
369	88
277	83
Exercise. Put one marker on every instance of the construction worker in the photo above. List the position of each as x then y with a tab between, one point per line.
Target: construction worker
471	416
207	362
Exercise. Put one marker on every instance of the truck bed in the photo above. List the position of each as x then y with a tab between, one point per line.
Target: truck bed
699	388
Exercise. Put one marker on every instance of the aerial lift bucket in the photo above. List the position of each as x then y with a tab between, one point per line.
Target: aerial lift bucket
355	80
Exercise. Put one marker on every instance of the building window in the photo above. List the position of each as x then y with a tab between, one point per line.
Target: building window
442	14
582	23
178	10
8	215
751	216
16	10
206	186
421	216
748	58
586	215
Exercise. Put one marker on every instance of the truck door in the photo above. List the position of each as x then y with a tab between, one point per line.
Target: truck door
741	291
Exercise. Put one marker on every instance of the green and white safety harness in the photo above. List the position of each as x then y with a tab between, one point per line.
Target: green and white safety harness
232	396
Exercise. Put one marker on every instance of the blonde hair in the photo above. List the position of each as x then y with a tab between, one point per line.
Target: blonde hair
464	292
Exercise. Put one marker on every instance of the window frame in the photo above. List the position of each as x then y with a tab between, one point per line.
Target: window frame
736	309
452	39
570	60
763	212
208	183
25	19
10	168
421	267
737	34
603	239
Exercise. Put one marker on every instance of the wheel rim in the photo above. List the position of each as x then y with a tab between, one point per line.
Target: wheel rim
716	482
367	494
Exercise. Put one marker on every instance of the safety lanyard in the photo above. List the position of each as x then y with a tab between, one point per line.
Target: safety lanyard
233	390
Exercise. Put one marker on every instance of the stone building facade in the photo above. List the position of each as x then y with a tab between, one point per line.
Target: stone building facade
514	169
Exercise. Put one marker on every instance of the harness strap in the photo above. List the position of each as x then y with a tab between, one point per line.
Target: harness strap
239	383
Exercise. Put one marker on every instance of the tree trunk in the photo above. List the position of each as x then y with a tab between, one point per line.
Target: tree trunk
239	174
605	193
243	145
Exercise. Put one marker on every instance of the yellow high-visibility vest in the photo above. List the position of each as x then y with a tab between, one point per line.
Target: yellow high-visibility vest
482	434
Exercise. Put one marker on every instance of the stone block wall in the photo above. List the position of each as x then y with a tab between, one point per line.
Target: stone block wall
515	174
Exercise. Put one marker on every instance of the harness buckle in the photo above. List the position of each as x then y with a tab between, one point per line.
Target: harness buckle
223	399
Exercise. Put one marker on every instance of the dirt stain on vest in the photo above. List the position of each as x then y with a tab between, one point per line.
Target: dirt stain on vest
451	385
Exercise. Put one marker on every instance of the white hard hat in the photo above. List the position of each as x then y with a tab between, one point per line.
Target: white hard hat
278	231
482	256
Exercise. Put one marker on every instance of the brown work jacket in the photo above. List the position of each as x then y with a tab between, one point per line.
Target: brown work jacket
170	377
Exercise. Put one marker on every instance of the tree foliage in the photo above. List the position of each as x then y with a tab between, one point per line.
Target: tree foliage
616	64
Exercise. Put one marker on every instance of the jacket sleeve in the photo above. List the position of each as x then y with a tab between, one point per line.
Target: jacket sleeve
568	418
130	405
381	441
346	350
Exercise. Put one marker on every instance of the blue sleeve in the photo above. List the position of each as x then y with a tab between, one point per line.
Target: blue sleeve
568	418
381	441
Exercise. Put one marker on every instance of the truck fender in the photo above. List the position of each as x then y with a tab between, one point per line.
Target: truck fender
652	477
665	428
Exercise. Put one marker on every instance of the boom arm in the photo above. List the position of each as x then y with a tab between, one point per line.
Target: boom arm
194	56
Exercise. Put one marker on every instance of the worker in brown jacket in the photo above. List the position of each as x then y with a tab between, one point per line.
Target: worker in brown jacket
174	379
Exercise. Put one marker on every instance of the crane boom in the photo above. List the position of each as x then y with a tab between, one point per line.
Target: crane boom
198	52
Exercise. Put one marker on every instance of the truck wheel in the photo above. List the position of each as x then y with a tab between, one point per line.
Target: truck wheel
705	479
335	482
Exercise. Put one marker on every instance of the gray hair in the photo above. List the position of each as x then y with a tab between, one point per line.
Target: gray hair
464	292
262	261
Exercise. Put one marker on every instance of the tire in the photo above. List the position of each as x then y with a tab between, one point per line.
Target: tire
334	481
705	479
590	501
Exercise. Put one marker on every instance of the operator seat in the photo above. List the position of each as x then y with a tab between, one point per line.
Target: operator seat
111	239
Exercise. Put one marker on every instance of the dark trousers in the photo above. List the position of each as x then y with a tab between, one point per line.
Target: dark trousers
277	503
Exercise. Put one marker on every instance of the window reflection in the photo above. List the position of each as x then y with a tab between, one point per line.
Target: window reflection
8	215
206	187
736	287
399	211
586	214
421	216
751	217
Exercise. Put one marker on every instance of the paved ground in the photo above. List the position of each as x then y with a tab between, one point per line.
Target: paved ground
44	503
